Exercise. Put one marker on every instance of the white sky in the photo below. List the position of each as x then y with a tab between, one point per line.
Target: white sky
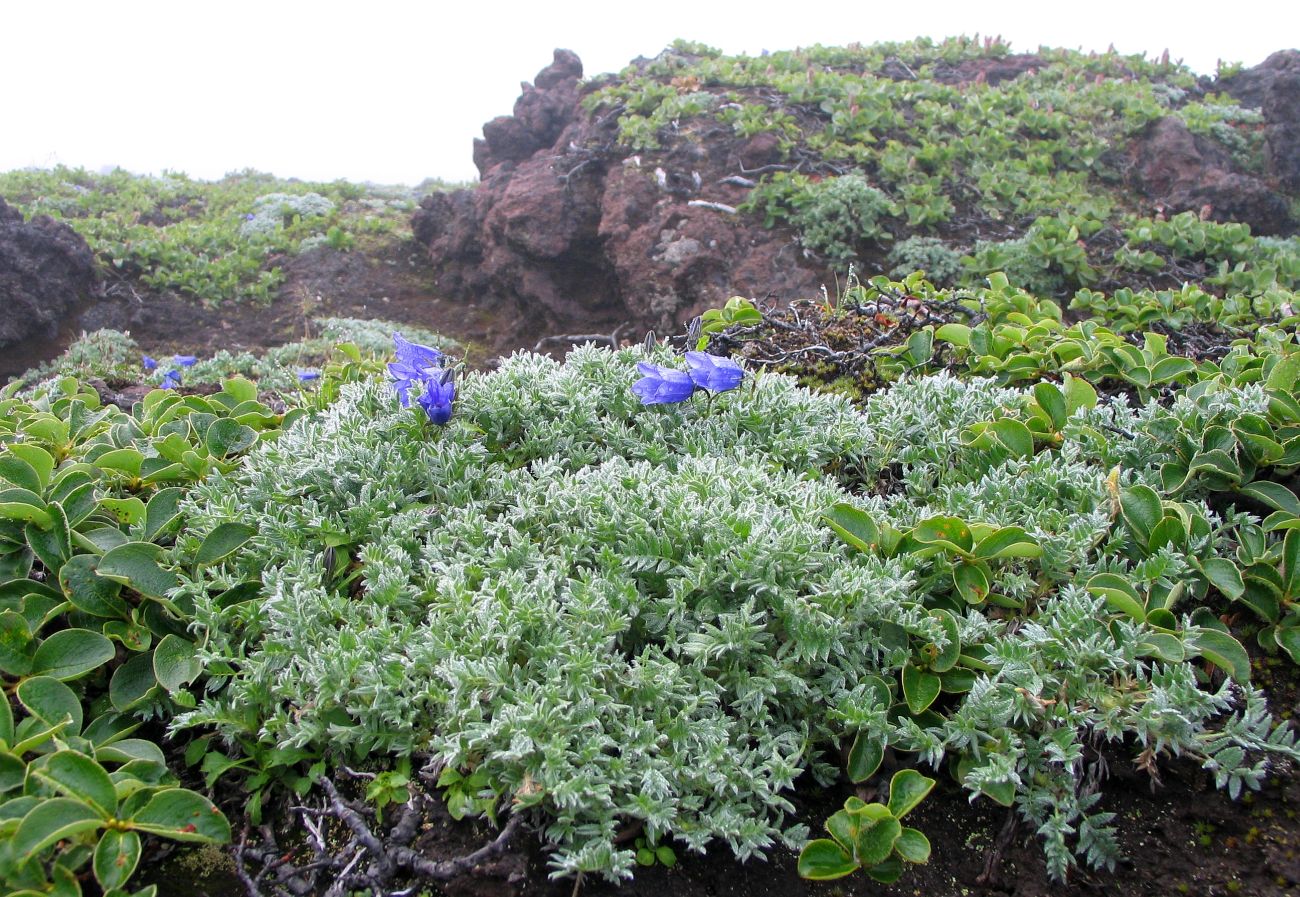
396	91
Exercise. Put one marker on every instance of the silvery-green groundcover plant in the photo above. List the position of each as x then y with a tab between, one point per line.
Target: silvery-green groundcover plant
612	613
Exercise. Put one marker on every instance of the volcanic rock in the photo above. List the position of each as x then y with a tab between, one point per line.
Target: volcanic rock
579	232
46	273
1273	87
1180	171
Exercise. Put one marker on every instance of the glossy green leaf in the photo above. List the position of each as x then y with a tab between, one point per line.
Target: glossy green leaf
228	437
865	757
824	860
920	687
136	564
163	509
116	856
945	531
70	653
906	790
52	821
1275	495
17	647
1014	436
1288	639
89	592
876	840
1142	511
127	511
1050	399
1224	576
38	459
886	872
971	581
182	815
19	473
854	526
79	777
224	541
52	542
1224	651
1119	594
913	846
1008	542
175	663
50	701
132	683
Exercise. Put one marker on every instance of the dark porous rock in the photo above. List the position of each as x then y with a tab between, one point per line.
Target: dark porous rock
47	272
1179	171
580	233
1273	87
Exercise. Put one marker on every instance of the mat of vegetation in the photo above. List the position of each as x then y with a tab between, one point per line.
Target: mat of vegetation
912	547
210	241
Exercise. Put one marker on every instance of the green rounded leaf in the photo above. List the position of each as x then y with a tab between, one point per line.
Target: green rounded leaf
945	532
1142	510
52	702
79	777
17	647
1288	638
913	846
947	658
823	860
854	526
227	437
49	822
163	509
865	757
133	682
175	663
876	840
116	856
223	541
1050	399
920	687
40	461
127	511
1008	542
1224	651
1119	594
182	815
90	592
136	564
971	581
907	789
70	653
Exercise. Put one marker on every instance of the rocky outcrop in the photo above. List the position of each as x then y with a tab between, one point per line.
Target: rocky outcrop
1273	87
46	273
581	233
1179	171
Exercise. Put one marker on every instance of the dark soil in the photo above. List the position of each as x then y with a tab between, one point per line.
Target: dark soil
1178	835
392	281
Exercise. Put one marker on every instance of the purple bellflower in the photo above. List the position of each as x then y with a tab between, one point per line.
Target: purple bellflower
415	365
437	397
713	372
661	386
148	363
185	361
171	379
307	376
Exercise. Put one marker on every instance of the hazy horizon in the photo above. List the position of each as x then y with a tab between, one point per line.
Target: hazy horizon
394	95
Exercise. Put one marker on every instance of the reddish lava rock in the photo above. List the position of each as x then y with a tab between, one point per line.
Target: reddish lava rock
577	232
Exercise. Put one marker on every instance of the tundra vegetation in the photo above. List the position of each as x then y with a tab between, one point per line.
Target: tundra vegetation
1004	528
